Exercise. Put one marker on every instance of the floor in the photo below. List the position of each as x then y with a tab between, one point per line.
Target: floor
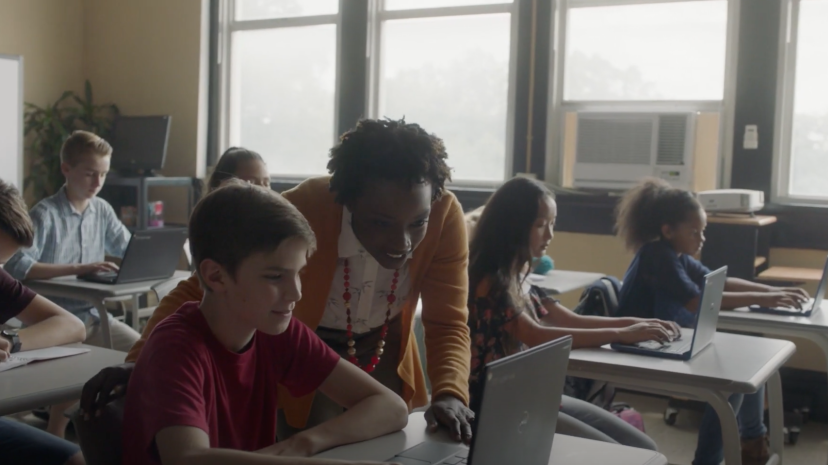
677	442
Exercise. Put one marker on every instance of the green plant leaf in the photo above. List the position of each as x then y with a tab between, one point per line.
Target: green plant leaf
87	88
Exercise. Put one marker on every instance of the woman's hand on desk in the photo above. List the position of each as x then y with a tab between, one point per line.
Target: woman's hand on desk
109	384
452	413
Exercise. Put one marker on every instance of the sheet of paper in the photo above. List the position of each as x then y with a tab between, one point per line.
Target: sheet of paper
28	356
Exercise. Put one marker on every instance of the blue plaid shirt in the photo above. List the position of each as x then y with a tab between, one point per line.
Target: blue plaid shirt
63	236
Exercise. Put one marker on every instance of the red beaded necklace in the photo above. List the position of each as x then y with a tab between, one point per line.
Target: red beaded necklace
346	296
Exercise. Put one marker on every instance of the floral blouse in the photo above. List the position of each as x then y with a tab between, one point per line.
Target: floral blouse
488	317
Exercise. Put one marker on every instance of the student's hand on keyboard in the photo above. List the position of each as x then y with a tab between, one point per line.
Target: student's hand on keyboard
646	331
671	326
109	384
100	267
779	299
797	293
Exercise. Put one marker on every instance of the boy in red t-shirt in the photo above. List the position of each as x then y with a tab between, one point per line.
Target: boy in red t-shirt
204	387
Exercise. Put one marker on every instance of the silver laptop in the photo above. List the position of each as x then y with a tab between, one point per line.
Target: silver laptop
152	254
808	308
692	341
518	412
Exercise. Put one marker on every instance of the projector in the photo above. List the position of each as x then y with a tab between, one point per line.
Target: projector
732	200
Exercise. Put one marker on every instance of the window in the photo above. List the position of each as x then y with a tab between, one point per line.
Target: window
280	81
447	65
640	56
654	51
802	122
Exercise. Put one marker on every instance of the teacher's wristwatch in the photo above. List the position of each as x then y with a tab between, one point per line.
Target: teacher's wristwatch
12	336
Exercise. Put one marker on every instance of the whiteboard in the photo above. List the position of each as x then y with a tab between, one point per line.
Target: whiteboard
11	119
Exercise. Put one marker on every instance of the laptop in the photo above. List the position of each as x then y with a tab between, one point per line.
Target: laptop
151	254
518	412
808	308
692	341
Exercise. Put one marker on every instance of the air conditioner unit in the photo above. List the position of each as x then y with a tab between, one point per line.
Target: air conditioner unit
616	150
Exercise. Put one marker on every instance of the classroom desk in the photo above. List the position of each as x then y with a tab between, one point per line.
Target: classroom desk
813	328
52	381
566	450
563	281
96	293
731	364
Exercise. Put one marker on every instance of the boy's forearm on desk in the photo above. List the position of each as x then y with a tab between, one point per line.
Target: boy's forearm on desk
224	456
54	331
49	271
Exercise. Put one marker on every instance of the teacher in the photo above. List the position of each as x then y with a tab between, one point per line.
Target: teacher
388	234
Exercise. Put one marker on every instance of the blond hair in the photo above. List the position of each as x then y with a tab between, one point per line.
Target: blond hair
82	143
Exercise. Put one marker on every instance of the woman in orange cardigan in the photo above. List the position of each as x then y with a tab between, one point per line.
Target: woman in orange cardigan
388	233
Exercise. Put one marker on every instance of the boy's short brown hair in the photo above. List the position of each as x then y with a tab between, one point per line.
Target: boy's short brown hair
82	143
239	219
14	216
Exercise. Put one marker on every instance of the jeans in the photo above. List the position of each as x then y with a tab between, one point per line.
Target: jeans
585	420
750	414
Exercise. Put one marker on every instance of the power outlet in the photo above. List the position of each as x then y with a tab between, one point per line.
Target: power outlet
751	141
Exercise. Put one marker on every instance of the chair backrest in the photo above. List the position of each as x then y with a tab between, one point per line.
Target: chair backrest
165	287
100	438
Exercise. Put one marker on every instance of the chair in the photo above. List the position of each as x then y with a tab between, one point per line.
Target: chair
160	290
100	438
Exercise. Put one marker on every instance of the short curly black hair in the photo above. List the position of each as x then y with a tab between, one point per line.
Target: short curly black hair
387	149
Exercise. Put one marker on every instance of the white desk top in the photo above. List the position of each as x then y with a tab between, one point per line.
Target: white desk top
818	321
731	363
72	284
563	281
566	450
52	381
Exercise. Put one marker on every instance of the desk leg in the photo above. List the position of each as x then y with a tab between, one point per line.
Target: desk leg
730	427
107	338
134	315
777	418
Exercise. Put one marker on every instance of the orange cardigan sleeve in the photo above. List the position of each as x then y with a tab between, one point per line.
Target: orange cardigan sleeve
444	291
188	290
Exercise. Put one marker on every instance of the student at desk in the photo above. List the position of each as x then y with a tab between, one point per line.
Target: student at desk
47	325
74	230
664	227
506	313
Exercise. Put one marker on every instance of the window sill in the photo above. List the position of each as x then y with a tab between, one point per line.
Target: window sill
799	227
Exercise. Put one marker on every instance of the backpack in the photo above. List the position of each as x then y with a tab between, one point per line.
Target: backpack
598	299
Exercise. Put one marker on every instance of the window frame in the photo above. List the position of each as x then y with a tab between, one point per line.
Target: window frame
377	15
558	107
783	120
226	26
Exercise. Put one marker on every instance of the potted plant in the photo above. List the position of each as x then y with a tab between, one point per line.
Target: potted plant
49	126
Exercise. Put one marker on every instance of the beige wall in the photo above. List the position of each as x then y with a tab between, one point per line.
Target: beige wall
146	57
606	254
49	36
